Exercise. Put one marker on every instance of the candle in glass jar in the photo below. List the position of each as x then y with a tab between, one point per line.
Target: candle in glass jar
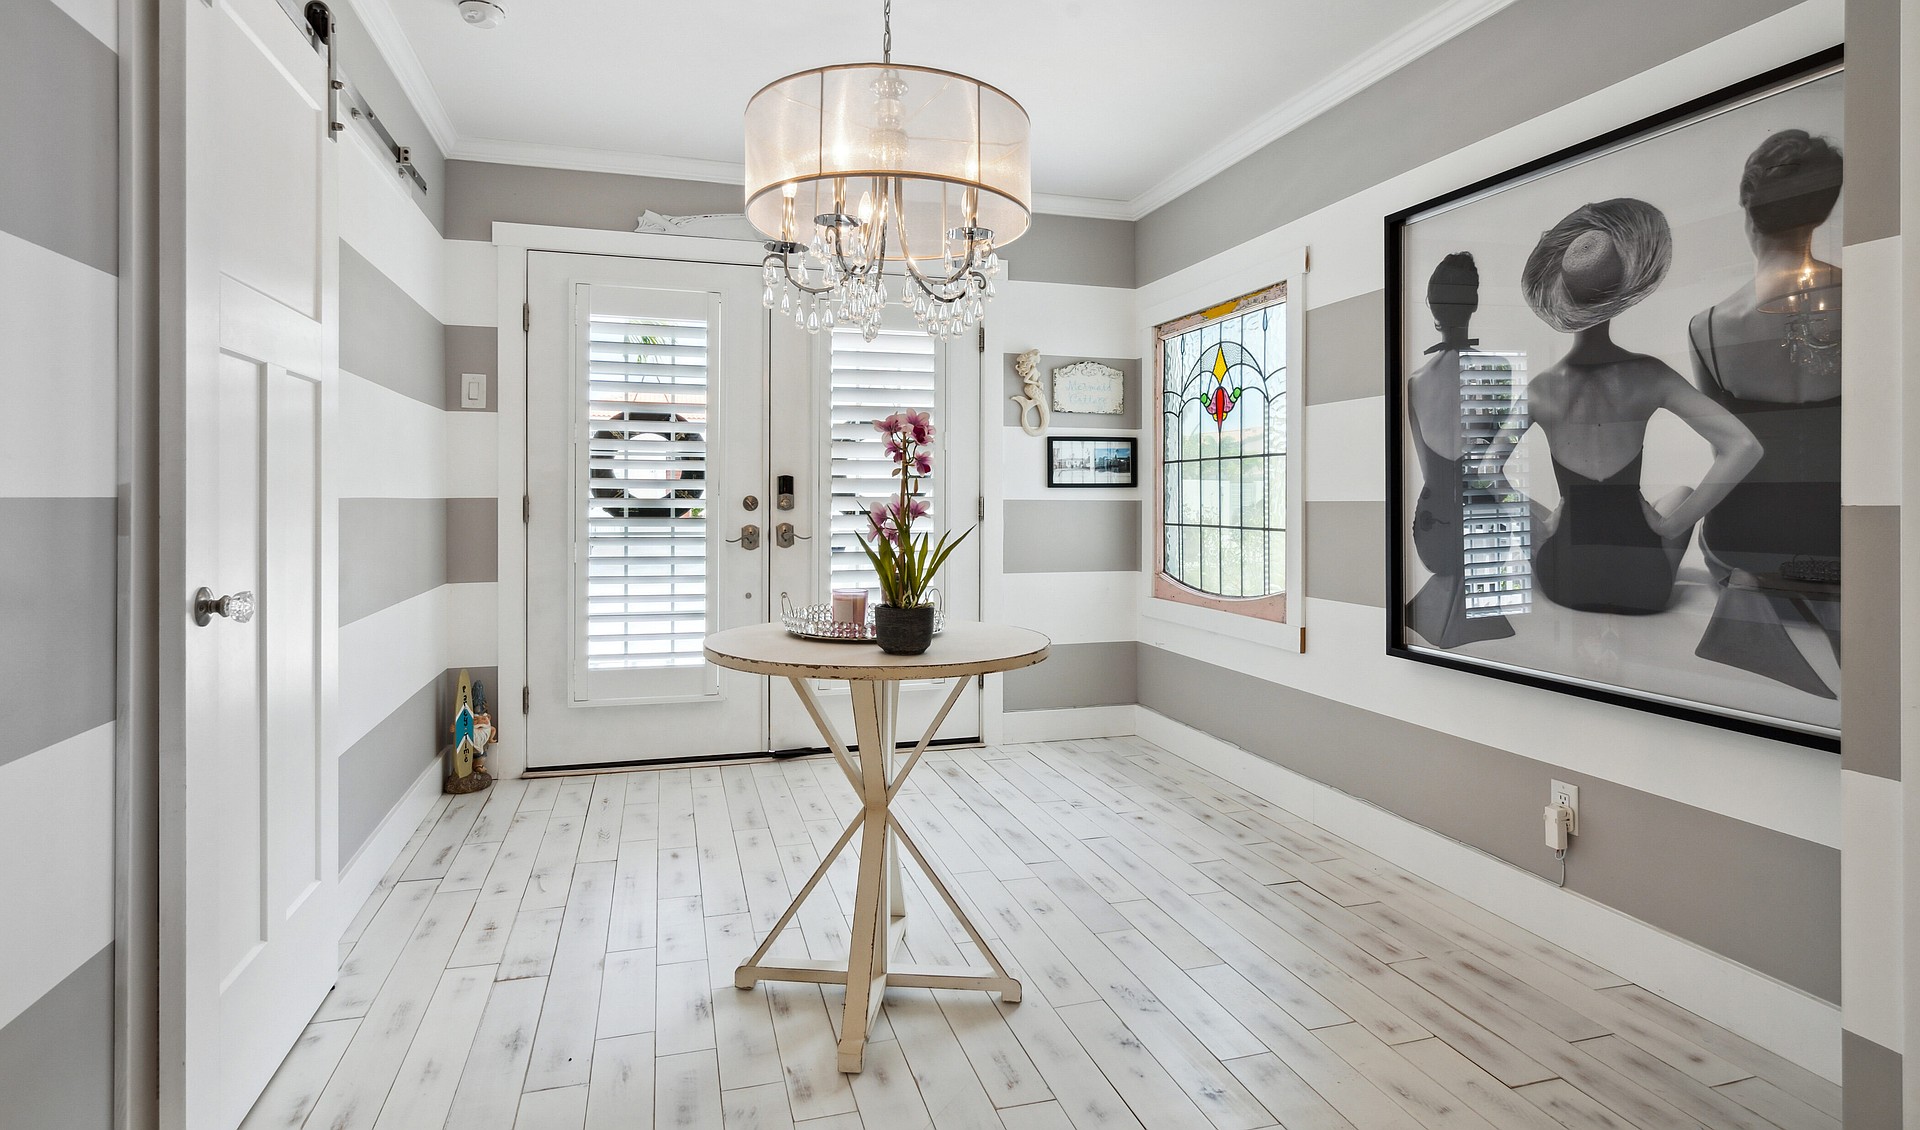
849	606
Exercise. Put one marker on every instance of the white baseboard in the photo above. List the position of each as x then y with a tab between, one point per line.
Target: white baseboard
362	873
1067	724
1771	1013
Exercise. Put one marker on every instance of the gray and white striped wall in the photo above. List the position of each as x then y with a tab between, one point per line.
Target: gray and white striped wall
1716	876
1873	882
1064	561
59	294
416	478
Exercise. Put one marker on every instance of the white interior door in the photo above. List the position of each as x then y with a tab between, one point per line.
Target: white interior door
823	435
249	835
646	435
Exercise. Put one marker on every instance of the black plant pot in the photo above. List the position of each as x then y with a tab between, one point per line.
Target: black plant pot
903	631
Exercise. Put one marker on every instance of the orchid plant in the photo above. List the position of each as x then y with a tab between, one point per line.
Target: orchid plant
906	562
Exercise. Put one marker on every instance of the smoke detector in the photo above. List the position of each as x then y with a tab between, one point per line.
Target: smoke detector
482	13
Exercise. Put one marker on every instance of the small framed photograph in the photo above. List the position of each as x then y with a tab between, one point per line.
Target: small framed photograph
1092	461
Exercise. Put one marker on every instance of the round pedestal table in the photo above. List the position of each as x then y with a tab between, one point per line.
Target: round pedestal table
960	652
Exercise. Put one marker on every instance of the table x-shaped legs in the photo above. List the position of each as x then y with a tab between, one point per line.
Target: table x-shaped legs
879	910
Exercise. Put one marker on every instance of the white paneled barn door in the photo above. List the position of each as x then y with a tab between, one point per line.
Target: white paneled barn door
249	350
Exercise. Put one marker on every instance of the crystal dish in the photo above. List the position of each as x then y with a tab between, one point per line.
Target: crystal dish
816	622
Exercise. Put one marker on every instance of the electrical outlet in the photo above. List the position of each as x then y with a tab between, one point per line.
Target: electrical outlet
1568	797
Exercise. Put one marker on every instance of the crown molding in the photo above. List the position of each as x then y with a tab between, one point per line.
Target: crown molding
1411	42
390	40
1090	207
500	152
581	159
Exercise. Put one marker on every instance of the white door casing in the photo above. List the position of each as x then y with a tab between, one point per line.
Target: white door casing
249	353
770	419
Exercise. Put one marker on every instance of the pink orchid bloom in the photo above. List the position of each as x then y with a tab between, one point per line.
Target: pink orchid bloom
894	451
923	464
917	509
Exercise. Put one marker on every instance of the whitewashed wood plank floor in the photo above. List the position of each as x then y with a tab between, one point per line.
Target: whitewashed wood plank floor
559	954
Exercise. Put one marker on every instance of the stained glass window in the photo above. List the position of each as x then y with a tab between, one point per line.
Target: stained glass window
1223	466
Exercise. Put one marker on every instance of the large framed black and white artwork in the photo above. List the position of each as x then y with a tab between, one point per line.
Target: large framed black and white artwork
1614	413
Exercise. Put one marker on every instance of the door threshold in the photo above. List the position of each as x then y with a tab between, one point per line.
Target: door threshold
727	759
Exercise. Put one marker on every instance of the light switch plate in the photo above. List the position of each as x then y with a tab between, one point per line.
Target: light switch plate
473	390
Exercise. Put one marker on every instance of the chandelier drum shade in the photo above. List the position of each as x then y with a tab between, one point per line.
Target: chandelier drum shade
959	153
855	167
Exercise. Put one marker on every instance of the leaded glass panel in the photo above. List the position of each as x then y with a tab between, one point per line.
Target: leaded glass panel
1224	445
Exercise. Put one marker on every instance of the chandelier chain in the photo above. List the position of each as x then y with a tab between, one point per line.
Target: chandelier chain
886	37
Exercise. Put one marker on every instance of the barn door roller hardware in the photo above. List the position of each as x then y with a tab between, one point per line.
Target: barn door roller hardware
317	18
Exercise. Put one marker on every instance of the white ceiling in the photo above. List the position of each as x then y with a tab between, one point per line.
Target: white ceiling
1133	101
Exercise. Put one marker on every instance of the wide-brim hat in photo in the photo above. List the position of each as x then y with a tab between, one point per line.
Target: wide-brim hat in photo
1621	251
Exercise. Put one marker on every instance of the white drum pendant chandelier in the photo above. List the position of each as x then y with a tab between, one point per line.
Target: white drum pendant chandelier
854	167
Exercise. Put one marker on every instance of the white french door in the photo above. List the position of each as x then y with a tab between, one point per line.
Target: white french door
825	437
646	402
692	462
249	342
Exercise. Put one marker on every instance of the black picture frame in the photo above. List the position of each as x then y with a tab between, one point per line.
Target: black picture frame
1094	447
1399	509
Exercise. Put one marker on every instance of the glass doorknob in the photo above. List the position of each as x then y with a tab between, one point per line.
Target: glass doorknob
237	607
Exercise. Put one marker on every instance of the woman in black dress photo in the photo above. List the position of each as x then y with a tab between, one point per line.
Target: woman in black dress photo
1607	548
1769	353
1450	457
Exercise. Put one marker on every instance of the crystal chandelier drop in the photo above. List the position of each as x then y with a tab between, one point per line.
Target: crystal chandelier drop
854	168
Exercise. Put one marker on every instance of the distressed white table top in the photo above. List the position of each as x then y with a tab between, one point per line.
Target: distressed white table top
963	648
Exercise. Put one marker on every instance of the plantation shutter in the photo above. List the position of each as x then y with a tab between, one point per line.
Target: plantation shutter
872	380
645	465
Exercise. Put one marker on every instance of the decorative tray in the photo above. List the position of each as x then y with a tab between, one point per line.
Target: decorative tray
816	622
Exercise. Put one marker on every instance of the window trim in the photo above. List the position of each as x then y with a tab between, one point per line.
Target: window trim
1168	596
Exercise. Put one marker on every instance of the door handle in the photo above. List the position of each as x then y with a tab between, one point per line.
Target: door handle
237	607
749	537
784	537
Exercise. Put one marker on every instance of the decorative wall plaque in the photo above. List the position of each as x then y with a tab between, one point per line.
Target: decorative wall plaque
1089	387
